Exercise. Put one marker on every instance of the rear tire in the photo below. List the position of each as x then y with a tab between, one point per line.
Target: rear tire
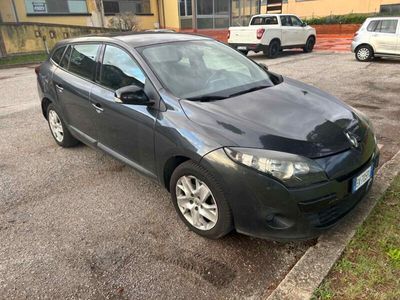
58	128
364	53
202	204
309	45
273	49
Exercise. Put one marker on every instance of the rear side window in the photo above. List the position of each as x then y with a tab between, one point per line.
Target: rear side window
372	25
264	21
65	60
120	70
83	60
57	55
385	26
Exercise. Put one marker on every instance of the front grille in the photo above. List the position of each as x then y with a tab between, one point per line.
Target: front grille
331	214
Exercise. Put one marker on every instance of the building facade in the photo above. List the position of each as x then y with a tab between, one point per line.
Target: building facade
96	13
178	14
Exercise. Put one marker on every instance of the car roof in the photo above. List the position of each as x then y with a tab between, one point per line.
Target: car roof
137	39
383	18
273	15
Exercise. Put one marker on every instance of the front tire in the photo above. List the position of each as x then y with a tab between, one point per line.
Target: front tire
58	128
364	53
273	49
200	201
309	47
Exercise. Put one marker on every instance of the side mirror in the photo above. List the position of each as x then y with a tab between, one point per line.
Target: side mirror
304	24
132	94
263	66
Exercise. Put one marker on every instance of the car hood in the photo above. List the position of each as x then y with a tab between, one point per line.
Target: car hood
291	117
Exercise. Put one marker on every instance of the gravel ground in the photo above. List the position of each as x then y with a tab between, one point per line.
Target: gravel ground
75	223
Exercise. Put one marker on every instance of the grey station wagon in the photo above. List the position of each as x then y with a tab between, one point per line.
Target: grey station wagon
239	147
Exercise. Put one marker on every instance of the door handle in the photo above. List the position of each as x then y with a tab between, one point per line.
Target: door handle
59	87
97	107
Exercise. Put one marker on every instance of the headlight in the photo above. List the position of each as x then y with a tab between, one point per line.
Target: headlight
367	121
293	170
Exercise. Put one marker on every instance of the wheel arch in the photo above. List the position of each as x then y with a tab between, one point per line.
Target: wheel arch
366	44
45	104
312	35
169	167
275	39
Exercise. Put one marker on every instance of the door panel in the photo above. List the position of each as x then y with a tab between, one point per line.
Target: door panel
73	83
383	36
73	94
290	34
300	31
125	129
287	31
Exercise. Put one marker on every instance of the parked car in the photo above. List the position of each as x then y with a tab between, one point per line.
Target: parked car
239	147
272	33
159	30
377	37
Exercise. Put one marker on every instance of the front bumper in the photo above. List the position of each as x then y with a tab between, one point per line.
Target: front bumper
354	45
265	208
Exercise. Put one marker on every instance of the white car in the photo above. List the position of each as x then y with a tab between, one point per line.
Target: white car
377	37
271	33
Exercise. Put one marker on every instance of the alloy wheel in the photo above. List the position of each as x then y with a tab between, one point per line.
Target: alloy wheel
196	202
363	53
56	126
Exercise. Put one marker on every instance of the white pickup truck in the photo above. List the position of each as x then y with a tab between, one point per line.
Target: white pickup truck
272	33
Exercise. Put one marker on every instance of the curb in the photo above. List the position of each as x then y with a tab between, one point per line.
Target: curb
308	273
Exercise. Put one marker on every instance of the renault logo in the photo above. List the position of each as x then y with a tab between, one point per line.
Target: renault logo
352	139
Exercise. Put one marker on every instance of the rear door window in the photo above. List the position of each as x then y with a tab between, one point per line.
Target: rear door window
83	60
388	26
57	55
286	21
65	60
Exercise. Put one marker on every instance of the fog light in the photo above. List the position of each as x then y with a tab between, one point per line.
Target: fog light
277	221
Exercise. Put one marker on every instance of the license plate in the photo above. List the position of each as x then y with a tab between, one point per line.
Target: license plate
363	178
242	48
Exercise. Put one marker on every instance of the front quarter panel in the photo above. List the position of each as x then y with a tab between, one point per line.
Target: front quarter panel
176	135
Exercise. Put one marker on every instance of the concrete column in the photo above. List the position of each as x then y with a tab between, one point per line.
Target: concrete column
194	15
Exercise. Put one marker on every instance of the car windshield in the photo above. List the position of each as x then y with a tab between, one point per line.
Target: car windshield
204	70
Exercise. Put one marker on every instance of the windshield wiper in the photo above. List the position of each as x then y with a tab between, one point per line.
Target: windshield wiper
207	98
260	87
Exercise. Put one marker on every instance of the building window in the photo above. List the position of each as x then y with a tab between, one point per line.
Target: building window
56	7
213	14
243	10
390	9
185	14
112	7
